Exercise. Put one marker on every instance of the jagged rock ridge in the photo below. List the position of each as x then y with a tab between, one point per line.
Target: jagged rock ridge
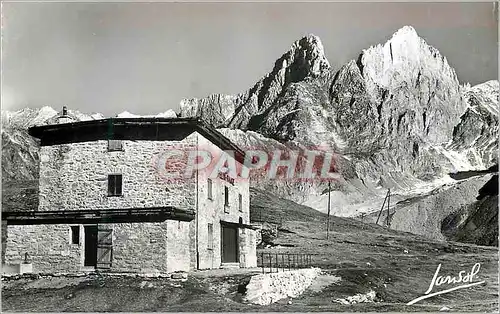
305	59
397	113
401	97
476	135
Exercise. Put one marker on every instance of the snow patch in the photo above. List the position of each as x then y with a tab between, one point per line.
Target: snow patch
358	298
127	114
167	114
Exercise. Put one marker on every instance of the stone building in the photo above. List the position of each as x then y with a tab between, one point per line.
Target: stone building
108	200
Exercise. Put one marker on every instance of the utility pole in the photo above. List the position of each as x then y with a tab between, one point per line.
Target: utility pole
388	200
328	219
382	208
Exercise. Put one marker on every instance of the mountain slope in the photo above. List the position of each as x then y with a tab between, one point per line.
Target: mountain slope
476	135
361	257
397	117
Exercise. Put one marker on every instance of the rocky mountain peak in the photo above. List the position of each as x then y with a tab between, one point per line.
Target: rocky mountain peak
407	32
404	57
307	52
27	117
414	88
304	60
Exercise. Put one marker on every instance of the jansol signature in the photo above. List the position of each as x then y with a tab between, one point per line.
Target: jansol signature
464	277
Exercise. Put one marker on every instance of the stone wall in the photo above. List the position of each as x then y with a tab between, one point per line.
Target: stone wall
137	247
151	247
49	247
265	289
75	176
248	248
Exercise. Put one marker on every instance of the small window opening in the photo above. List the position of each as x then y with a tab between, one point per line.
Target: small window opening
209	187
114	185
226	198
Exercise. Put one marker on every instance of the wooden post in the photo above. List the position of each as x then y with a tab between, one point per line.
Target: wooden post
388	201
381	209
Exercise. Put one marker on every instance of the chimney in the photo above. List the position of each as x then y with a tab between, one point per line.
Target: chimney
65	111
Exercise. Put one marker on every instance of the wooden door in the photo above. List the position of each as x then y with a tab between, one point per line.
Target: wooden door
230	244
90	254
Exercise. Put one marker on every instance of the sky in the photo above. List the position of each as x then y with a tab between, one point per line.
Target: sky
146	57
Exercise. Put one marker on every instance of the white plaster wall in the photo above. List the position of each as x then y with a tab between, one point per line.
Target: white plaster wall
212	211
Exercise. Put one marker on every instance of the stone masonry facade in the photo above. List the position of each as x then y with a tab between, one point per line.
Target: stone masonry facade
213	211
74	177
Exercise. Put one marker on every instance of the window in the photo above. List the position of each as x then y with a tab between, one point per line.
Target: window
75	234
114	145
114	185
226	197
210	245
209	186
240	202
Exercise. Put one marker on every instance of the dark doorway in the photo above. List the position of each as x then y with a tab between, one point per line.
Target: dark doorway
229	244
90	246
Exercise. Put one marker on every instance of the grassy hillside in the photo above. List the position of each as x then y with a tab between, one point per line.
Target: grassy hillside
398	266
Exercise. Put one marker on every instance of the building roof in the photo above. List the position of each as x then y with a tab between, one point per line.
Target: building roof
152	129
152	214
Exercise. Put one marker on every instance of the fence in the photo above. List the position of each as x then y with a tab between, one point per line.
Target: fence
275	262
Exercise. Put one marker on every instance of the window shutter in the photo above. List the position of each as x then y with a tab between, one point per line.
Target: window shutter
111	188
104	247
114	145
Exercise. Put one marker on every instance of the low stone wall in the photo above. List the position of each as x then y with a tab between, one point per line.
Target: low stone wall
265	289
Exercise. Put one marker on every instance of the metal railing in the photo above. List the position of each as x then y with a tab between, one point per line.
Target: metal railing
276	262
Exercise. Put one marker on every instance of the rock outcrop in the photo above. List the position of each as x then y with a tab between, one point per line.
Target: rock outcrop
476	135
